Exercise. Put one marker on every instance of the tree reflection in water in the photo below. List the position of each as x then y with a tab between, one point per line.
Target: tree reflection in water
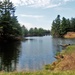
9	54
56	42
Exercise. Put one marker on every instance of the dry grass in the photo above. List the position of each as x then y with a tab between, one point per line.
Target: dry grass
40	73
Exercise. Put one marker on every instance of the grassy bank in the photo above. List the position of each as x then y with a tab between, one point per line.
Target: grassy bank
40	73
65	60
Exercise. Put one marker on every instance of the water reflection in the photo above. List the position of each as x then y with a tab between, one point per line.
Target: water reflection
30	55
57	42
9	53
36	54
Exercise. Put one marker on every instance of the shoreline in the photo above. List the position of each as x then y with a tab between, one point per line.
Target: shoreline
65	60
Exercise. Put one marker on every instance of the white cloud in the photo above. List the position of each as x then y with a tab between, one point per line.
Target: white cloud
40	3
31	16
53	5
37	3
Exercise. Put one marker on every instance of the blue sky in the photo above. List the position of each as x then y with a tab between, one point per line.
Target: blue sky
41	13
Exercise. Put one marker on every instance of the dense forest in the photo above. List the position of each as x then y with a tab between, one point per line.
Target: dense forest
61	26
10	28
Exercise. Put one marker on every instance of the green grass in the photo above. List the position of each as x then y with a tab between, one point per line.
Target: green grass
40	73
49	67
69	50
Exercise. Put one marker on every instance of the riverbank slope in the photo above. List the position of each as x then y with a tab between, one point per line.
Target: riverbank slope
69	35
65	60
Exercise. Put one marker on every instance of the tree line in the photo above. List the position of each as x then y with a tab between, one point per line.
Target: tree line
9	25
34	31
61	26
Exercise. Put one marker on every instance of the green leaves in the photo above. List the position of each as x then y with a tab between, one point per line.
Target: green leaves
8	21
61	27
38	32
56	27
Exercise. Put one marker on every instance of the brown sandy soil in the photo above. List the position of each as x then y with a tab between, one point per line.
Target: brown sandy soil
65	60
69	35
66	63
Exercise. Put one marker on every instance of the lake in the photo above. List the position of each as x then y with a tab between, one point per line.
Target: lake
32	54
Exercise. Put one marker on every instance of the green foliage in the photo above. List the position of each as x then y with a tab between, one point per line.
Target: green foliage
56	27
58	53
24	31
9	25
31	32
72	24
38	32
41	32
40	73
61	27
35	31
69	50
49	67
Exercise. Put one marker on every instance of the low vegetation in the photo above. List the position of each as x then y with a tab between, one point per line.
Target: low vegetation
65	60
40	73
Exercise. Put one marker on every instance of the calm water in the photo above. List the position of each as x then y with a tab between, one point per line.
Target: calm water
32	54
